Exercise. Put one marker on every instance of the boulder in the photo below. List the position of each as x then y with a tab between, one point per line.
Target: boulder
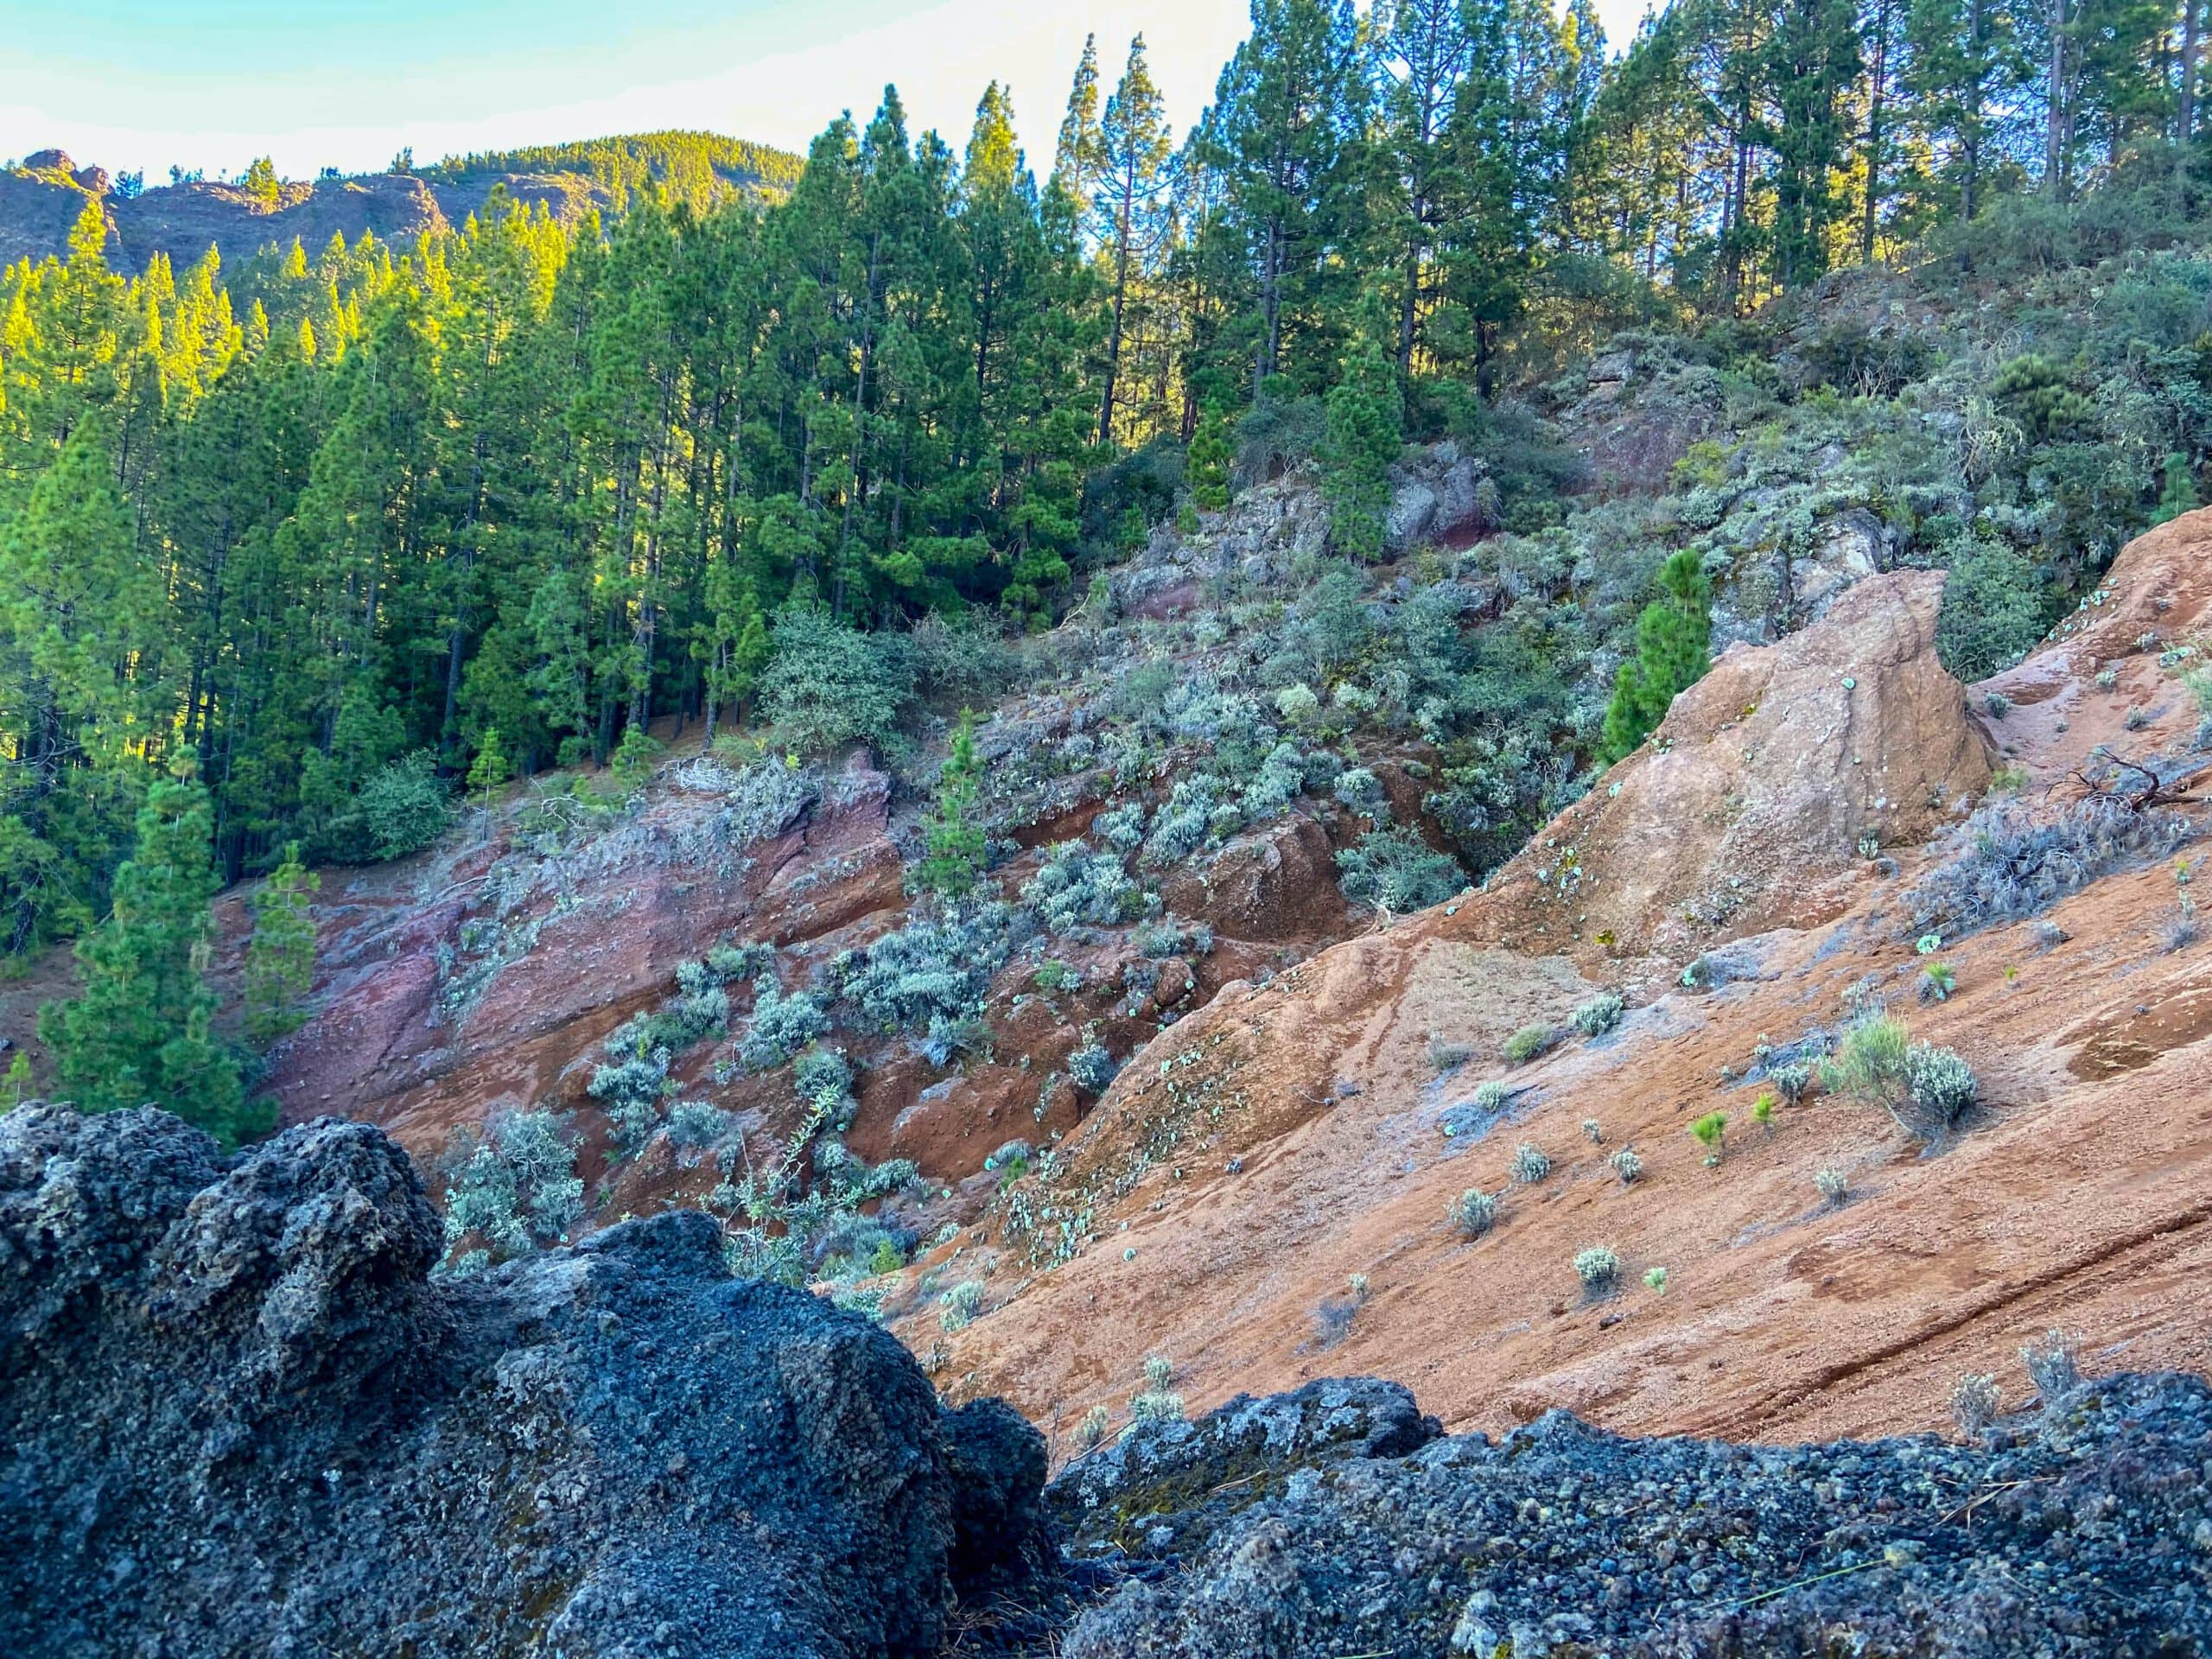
241	1417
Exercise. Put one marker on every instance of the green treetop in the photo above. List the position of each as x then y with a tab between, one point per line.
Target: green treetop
140	1033
1674	636
952	834
280	961
1366	417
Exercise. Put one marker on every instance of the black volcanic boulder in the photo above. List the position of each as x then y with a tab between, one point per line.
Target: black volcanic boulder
238	1417
1287	1528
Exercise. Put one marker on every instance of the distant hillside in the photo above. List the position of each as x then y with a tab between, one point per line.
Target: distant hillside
42	197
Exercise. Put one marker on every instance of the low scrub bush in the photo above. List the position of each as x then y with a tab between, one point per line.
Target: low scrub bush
782	1025
1077	887
1473	1213
1599	1014
1398	872
1093	1067
1597	1267
1528	1042
2006	862
513	1184
1530	1164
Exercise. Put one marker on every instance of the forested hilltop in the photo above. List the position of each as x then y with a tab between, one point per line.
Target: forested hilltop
332	530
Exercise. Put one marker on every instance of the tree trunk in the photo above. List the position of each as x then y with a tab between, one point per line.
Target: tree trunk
1876	72
2055	118
2186	115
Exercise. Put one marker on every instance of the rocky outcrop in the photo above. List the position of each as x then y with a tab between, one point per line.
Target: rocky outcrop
238	1417
1766	786
2082	1529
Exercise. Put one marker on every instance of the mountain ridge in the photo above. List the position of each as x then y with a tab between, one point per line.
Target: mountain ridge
42	197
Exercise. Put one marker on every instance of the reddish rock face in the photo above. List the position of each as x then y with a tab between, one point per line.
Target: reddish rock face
1288	1136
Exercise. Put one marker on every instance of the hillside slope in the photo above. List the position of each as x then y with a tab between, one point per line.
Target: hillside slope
1253	1159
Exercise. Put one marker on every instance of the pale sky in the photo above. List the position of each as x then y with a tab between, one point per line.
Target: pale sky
144	84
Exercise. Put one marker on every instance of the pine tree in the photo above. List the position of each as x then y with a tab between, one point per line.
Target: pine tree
952	836
489	771
141	1032
18	1081
2179	495
1674	635
1207	468
1135	145
280	957
260	181
1366	417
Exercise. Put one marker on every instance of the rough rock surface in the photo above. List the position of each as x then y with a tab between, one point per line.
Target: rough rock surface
1762	783
238	1418
1334	1521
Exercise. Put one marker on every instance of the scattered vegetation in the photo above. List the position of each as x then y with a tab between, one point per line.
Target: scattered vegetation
1598	1267
1473	1213
1974	1403
1627	1164
1528	1043
1599	1014
1529	1164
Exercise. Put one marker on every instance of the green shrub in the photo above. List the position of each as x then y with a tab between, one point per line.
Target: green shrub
828	684
1626	1164
1993	612
635	756
1710	1132
1528	1042
1831	1185
401	810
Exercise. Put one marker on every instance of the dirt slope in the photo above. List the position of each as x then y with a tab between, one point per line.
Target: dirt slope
1259	1155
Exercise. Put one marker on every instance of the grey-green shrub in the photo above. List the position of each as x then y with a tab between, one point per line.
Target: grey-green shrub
1530	1165
1597	1266
782	1025
1941	1086
1399	872
1093	1067
1626	1164
1077	887
513	1183
1473	1212
1599	1014
961	1304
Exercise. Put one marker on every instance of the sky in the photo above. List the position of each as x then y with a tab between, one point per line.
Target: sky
143	85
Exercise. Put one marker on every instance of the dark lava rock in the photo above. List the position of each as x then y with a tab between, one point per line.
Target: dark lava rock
238	1417
2085	1530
